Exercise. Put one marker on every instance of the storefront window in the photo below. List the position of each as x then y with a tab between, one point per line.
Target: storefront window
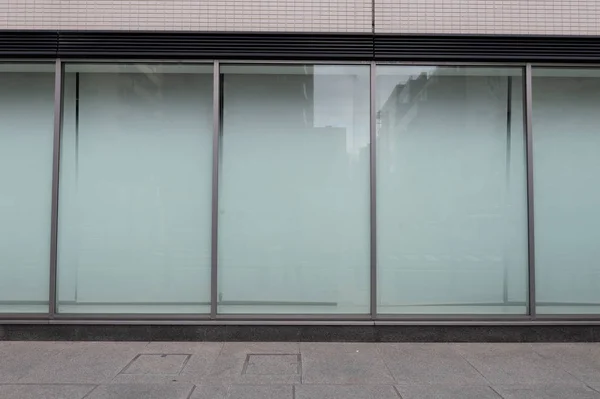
566	160
451	191
294	190
135	189
26	137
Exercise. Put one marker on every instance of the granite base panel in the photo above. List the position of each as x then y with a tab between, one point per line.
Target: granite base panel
306	333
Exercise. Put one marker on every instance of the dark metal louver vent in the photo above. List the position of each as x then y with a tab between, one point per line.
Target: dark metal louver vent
167	45
297	46
28	44
486	48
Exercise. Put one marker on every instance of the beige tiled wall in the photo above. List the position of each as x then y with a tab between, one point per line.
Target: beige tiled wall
581	17
189	15
548	17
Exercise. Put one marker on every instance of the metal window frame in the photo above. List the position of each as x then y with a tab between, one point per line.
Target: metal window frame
525	69
373	187
35	316
54	314
480	317
216	150
527	111
154	320
218	97
303	61
294	316
373	318
58	114
474	64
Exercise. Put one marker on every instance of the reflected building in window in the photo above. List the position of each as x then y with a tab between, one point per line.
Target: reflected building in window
294	190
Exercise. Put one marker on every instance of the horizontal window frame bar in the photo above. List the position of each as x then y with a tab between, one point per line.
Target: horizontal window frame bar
209	61
298	319
75	317
303	317
156	320
228	62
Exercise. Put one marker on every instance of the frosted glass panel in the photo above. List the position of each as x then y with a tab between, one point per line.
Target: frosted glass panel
451	191
26	135
294	190
566	145
135	199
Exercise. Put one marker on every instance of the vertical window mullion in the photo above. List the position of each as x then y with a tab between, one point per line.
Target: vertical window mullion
530	203
373	190
215	188
58	106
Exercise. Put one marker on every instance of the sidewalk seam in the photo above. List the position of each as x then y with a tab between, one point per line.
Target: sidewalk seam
91	390
191	392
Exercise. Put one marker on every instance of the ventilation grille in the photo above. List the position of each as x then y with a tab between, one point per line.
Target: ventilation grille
487	48
28	44
296	46
215	45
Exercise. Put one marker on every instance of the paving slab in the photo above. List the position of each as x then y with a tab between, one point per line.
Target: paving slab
243	392
157	363
345	392
228	368
273	364
57	391
142	391
447	392
17	358
261	392
420	364
547	392
84	362
506	364
343	363
210	392
581	360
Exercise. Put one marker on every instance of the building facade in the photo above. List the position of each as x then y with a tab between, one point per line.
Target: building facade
348	162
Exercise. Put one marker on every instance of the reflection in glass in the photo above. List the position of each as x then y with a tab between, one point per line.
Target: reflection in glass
135	199
294	190
566	160
26	136
451	191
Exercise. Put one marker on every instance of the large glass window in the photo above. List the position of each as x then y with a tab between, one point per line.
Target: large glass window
566	156
135	189
294	190
451	191
26	136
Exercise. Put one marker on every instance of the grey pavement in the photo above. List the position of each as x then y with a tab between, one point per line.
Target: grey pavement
292	370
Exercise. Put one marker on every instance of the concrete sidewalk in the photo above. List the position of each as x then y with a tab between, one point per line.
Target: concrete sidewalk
212	370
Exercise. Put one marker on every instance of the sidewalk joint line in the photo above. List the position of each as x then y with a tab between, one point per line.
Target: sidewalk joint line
496	392
397	392
91	390
191	392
